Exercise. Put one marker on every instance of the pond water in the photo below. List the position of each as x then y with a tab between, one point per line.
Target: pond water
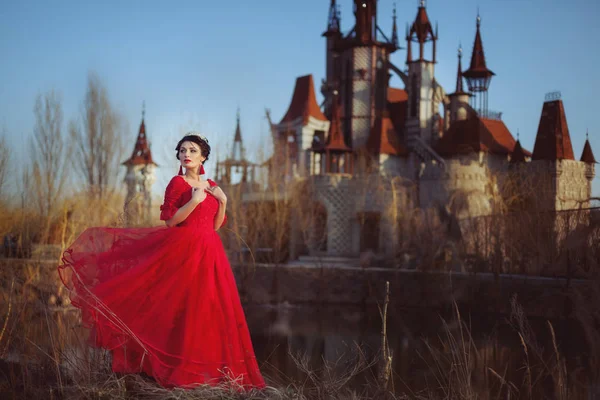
430	349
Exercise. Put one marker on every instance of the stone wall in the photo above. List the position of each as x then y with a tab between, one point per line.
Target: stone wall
545	297
38	283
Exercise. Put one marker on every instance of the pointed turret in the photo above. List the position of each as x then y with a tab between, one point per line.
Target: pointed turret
141	154
517	155
459	100
333	20
459	74
237	150
553	141
304	102
422	104
421	32
335	138
478	75
139	179
394	39
587	156
338	156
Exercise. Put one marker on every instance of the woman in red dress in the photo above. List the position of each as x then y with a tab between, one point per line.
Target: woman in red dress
164	300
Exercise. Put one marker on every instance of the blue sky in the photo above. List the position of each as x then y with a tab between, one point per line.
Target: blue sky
195	62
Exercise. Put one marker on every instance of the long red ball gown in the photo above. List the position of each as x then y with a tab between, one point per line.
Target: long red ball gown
164	300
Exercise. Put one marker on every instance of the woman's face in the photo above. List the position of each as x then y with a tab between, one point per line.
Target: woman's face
190	155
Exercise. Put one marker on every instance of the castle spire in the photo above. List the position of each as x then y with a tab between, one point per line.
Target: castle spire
237	150
459	75
517	155
421	32
335	139
394	29
478	75
587	156
141	154
338	156
333	21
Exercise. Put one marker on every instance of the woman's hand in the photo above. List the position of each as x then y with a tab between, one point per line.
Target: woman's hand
218	193
198	195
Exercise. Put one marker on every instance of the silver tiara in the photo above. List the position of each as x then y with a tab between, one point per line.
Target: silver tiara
199	135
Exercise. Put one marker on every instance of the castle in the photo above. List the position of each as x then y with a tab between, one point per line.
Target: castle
371	153
420	156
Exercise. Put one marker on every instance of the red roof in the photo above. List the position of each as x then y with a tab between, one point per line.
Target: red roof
553	141
422	27
335	139
478	68
141	152
477	134
388	130
587	155
395	95
384	139
304	102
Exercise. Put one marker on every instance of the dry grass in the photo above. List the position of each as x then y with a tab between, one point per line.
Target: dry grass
37	330
55	362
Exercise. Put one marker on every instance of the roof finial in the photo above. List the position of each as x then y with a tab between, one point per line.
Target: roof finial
478	18
422	3
518	134
143	108
587	134
459	49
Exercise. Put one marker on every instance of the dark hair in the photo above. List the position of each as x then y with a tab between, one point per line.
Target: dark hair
200	141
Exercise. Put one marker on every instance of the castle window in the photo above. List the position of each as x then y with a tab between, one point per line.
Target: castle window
369	231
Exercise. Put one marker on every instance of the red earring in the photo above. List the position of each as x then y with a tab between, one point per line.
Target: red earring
201	170
180	170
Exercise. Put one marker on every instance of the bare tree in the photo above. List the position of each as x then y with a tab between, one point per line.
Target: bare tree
49	169
4	159
98	142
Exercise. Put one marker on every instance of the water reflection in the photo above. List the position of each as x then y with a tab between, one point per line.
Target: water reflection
426	351
331	340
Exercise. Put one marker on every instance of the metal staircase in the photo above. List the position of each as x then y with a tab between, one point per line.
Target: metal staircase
425	152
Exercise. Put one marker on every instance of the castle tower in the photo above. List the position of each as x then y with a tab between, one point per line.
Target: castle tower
302	124
236	163
561	178
459	100
362	74
337	155
478	75
139	179
587	156
420	85
333	35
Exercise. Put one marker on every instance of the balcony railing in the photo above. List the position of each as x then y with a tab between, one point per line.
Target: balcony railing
489	114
